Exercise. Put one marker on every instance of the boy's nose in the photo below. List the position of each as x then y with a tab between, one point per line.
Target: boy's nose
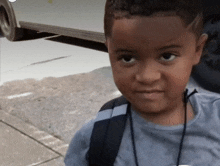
148	74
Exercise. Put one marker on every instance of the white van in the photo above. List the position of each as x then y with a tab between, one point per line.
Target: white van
75	18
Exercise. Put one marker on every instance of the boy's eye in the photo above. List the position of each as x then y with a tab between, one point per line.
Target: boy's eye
127	59
168	57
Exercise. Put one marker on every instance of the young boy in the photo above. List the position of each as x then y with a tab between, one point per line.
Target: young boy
153	46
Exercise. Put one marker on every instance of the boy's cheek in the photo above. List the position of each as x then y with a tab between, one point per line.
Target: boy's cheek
175	87
121	81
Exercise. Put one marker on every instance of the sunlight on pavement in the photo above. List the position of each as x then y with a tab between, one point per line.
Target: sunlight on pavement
19	95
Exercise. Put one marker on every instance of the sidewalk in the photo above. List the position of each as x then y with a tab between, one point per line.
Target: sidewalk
24	145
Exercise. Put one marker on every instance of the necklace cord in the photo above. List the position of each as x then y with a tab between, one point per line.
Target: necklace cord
185	122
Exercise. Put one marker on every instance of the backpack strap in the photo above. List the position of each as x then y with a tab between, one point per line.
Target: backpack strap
108	132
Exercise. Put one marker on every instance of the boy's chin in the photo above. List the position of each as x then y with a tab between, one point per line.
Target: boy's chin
147	108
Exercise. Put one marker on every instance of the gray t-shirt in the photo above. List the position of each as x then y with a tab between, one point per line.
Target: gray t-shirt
158	145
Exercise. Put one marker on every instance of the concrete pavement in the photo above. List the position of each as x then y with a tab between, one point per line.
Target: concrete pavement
24	145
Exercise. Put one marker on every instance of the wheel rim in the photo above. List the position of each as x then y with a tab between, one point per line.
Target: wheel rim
5	23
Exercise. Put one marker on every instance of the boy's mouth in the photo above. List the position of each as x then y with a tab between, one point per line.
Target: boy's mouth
150	94
149	91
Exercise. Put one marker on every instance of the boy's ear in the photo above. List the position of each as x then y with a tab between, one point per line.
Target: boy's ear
200	45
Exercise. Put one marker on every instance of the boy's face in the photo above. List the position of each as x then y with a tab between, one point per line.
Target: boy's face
152	59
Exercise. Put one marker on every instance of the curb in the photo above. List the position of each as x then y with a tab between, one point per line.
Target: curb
50	142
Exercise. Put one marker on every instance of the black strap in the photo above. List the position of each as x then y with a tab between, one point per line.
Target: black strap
132	134
106	139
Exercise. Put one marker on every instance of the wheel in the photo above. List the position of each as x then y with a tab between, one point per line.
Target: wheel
8	24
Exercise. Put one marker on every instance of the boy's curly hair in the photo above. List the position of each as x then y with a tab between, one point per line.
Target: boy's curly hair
188	10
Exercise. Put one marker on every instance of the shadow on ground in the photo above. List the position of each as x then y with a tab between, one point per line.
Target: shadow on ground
79	42
32	35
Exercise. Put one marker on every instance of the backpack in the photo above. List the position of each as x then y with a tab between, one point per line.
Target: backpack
107	132
207	73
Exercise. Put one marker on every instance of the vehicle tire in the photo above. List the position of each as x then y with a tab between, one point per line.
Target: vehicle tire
8	23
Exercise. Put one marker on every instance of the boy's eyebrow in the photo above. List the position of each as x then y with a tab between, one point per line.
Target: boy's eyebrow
170	46
159	49
125	50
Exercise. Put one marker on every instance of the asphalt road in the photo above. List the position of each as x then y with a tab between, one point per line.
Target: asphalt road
55	83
